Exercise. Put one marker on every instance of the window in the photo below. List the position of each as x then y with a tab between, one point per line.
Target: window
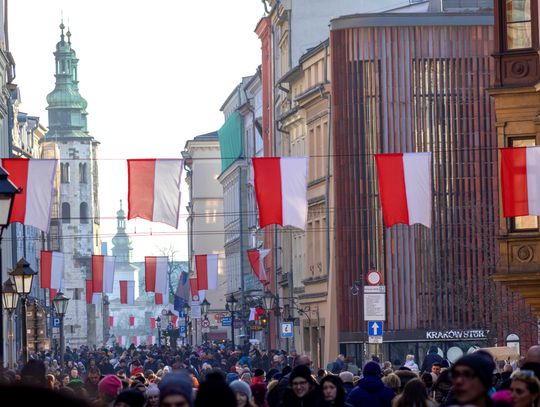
84	212
518	24
64	173
522	223
82	173
66	213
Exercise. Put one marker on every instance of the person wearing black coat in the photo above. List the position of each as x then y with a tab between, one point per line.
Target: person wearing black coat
432	357
333	392
303	390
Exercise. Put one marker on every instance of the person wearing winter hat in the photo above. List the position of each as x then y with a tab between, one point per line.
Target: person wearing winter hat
176	389
152	395
258	376
303	390
108	389
242	391
370	390
347	379
130	398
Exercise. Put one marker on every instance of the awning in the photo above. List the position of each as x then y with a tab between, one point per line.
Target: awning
502	353
217	336
230	140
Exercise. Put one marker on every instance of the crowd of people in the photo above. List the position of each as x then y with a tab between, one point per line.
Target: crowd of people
217	375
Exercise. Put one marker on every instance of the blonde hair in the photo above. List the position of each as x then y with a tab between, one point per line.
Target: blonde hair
393	381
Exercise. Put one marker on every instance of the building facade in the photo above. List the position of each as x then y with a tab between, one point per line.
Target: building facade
414	82
78	204
205	226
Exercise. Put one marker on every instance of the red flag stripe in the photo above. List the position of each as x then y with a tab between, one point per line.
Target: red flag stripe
515	199
111	321
150	273
254	257
194	286
141	175
158	298
153	323
52	293
46	268
17	169
123	291
97	273
201	265
392	190
268	189
89	292
131	321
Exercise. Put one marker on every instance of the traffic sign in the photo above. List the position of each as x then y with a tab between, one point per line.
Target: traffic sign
374	339
375	328
182	329
226	321
374	289
56	322
374	307
374	277
205	323
287	330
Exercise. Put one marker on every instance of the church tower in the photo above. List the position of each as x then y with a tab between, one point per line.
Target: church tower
78	223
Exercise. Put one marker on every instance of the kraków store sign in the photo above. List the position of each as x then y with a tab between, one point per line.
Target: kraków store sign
458	334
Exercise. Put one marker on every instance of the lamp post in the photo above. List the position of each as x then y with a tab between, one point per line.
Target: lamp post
60	303
7	195
186	322
205	306
231	306
171	330
268	300
23	275
158	325
10	298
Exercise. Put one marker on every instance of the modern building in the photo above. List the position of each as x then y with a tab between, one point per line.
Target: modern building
205	226
417	82
517	106
78	205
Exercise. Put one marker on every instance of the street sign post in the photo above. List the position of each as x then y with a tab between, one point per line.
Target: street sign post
56	322
226	321
287	330
374	303
375	331
205	323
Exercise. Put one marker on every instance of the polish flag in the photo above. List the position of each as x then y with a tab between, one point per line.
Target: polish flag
103	273
32	206
153	322
156	277
131	321
127	292
119	340
135	341
520	181
154	190
92	297
52	269
196	294
206	266
256	259
281	189
255	313
151	340
161	299
174	321
405	188
111	321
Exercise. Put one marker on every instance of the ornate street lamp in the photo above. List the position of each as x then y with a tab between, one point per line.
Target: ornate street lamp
186	309
10	298
158	325
231	306
205	306
60	303
23	275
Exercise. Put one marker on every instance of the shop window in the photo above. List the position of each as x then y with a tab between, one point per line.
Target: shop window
523	223
518	24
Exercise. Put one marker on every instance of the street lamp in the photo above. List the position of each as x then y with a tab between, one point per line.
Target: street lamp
268	302
23	275
231	306
205	306
158	325
60	303
7	196
186	321
10	298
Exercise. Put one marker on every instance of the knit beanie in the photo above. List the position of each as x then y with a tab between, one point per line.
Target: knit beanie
152	390
372	369
301	371
346	377
132	398
239	386
176	383
110	385
481	364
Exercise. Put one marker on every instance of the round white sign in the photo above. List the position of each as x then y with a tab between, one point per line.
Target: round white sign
374	277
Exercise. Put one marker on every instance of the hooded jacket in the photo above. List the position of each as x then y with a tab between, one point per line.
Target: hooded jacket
431	358
372	392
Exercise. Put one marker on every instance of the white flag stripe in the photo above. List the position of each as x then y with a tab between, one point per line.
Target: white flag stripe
167	178
262	271
294	191
130	292
108	273
252	314
162	264
96	298
39	193
57	270
417	172
533	179
212	269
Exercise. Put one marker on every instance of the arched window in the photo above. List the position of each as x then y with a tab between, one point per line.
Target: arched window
84	212
64	173
82	173
66	213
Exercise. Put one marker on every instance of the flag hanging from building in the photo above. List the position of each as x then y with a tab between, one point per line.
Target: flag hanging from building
91	296
103	273
256	259
131	320
182	293
52	294
156	277
161	299
405	188
127	292
120	340
520	181
151	340
255	313
196	293
52	269
174	321
32	206
153	322
281	189
206	266
111	321
154	190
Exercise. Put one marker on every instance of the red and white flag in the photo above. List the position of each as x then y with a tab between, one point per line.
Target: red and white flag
520	181
153	323
156	276
52	269
281	189
136	340
151	340
52	294
196	294
111	321
131	321
154	190
127	292
255	313
405	188
120	340
256	259
206	266
103	273
32	206
91	296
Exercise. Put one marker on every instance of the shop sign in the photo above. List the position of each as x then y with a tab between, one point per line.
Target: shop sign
458	334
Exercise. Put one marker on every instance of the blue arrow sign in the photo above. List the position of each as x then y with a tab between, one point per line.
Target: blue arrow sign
375	328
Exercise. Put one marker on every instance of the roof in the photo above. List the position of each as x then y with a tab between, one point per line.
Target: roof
312	51
207	137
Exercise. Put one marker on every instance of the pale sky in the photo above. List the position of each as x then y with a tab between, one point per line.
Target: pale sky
154	74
